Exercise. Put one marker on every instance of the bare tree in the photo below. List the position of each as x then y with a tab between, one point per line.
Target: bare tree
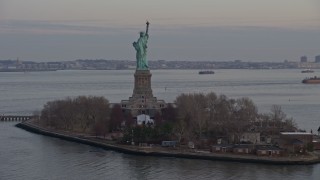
116	117
77	114
199	113
212	103
192	113
169	114
223	114
279	120
244	116
184	109
129	121
277	114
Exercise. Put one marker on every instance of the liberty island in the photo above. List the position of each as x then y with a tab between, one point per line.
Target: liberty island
181	130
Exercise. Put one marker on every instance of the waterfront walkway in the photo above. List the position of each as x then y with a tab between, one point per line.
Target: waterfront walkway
312	158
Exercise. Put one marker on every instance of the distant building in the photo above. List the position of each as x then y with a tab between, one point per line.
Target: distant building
303	59
317	59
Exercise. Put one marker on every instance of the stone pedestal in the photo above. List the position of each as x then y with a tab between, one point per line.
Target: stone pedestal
142	100
142	84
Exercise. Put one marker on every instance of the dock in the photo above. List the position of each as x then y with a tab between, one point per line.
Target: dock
14	118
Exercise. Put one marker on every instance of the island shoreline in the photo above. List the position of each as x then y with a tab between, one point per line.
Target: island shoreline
146	152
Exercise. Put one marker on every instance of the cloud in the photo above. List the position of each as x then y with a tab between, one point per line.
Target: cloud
53	27
85	39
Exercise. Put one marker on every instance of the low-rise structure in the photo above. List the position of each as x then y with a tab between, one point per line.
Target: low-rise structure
269	151
250	137
295	142
168	143
243	149
222	148
144	119
316	142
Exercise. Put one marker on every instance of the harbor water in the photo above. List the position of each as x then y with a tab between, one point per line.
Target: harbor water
24	155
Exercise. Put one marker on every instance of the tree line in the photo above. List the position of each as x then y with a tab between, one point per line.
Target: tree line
211	116
83	114
191	117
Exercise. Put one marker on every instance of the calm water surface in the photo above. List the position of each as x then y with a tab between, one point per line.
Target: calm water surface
24	155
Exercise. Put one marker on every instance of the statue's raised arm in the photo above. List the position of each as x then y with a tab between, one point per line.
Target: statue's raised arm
147	28
141	49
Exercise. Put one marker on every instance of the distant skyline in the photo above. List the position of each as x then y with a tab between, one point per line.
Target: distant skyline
249	30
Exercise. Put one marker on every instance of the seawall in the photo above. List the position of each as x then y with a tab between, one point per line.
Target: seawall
177	154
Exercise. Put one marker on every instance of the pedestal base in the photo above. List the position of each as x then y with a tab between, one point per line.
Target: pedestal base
142	100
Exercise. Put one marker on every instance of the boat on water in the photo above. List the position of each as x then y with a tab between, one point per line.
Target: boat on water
311	80
307	71
206	72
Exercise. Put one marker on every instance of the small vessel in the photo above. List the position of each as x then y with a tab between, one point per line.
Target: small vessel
307	71
206	72
312	80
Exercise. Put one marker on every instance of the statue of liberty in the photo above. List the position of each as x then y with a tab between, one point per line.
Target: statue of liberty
141	49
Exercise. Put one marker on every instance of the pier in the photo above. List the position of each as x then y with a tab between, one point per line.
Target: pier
14	118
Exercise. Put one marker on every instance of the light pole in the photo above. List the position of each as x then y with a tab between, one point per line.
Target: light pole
132	143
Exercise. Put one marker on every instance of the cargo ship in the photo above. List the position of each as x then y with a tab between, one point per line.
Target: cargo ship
312	80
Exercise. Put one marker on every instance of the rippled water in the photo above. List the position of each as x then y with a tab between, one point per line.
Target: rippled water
24	155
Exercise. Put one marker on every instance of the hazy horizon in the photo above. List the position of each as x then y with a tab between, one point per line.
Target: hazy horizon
205	30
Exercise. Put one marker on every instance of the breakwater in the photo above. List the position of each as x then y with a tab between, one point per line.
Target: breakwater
135	150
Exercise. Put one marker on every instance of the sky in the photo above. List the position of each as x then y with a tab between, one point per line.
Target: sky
192	30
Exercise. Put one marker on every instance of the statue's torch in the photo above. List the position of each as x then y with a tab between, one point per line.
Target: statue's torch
147	29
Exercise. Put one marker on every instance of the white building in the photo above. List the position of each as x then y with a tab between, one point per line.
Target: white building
250	137
144	119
